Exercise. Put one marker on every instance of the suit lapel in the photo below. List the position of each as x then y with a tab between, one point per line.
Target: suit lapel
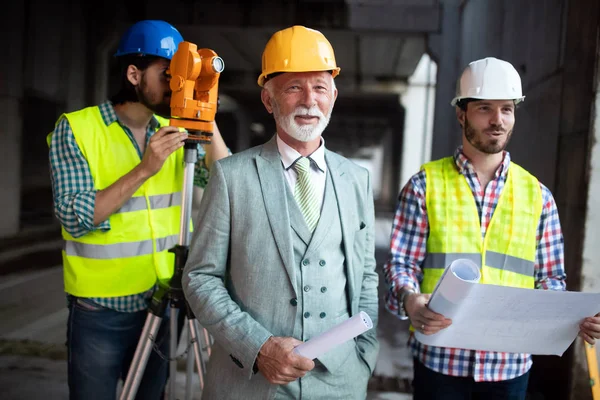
347	208
272	184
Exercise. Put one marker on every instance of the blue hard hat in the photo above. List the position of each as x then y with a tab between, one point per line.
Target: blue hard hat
150	37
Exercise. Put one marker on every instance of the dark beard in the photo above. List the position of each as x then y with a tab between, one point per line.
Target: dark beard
161	109
491	147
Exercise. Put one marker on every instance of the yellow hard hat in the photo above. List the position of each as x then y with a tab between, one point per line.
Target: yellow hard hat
297	49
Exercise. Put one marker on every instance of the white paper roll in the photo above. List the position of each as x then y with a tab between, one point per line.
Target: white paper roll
457	280
466	270
454	285
335	336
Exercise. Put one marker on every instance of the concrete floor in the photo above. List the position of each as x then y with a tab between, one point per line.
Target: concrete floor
33	329
35	378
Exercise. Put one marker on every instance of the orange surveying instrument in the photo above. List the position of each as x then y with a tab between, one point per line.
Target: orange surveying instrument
195	82
194	101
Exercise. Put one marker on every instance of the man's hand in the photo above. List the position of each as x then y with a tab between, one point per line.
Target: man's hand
590	329
279	364
161	145
421	317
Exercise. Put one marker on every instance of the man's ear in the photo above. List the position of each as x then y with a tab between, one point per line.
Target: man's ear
134	75
460	116
266	100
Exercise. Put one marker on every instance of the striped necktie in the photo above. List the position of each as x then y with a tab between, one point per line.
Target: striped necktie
306	194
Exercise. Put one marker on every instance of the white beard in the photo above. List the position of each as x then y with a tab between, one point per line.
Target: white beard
303	133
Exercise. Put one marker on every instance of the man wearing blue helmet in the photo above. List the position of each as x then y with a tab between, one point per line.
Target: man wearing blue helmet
117	171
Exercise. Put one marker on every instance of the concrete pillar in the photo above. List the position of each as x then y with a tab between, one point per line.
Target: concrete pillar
577	172
11	97
418	100
591	252
445	51
590	271
74	74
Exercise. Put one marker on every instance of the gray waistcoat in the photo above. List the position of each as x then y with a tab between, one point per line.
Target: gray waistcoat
322	299
320	273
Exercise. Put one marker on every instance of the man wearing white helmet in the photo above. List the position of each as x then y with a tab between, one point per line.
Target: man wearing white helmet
481	206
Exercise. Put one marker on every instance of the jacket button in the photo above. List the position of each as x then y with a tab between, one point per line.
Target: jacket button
306	288
305	262
322	315
307	315
322	263
294	302
323	289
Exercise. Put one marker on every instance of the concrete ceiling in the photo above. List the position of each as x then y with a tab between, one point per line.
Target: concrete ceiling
364	57
377	43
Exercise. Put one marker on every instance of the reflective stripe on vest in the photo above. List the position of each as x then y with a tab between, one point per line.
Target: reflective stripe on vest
130	249
156	202
493	260
134	253
506	254
119	250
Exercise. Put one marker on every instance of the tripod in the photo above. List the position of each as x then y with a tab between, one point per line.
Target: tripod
171	294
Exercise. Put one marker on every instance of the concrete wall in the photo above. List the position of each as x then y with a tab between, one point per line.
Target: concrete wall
46	74
527	34
11	96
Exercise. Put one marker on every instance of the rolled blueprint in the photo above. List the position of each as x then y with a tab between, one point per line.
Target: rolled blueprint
454	285
335	336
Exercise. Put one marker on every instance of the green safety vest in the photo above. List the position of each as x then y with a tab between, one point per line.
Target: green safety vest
133	254
506	255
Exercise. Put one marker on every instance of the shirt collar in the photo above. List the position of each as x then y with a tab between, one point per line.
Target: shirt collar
107	110
464	165
289	155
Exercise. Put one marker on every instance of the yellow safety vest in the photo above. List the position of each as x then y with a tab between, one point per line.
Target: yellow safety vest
133	254
507	253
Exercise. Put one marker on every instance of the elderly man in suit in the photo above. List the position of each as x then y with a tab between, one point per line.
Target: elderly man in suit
284	245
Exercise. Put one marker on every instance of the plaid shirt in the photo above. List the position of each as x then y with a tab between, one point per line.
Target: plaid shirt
408	250
75	194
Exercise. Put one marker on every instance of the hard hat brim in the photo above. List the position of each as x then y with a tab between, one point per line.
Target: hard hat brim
263	77
455	100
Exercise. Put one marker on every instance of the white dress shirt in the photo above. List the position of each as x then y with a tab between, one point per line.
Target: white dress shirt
318	167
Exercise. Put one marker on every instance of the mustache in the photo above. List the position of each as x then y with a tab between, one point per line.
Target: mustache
495	130
311	112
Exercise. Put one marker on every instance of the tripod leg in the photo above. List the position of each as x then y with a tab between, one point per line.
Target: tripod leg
140	358
189	371
207	341
197	352
173	350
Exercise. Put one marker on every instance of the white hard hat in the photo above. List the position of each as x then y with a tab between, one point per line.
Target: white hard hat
489	79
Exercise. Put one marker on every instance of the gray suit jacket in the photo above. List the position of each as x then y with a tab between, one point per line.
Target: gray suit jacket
239	277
